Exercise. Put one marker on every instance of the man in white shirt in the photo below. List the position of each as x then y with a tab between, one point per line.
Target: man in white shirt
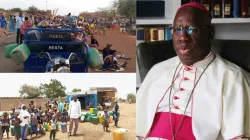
74	114
196	95
19	21
25	121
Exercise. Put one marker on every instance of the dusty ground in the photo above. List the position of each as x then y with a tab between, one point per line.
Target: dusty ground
89	131
123	43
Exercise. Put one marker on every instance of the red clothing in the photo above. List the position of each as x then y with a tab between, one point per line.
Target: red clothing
161	127
24	26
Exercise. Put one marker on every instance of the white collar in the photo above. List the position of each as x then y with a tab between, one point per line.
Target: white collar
202	63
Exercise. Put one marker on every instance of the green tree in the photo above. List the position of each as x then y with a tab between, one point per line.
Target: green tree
1	9
16	9
27	91
54	89
76	90
32	9
126	8
131	96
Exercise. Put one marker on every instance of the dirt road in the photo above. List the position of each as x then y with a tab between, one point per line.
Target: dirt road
123	43
89	131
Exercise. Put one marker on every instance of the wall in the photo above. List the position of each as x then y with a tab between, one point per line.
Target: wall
8	104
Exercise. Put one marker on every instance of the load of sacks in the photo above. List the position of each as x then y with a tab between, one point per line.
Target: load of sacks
19	53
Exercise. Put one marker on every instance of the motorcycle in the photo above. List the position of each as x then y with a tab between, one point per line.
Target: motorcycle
58	64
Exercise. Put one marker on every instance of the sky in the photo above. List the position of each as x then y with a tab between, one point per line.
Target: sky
124	82
64	6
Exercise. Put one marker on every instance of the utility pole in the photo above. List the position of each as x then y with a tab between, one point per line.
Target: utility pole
46	4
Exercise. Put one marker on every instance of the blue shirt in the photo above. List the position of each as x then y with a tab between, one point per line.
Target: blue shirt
3	23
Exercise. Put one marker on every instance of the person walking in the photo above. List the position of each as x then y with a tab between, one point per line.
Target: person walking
19	21
74	114
3	26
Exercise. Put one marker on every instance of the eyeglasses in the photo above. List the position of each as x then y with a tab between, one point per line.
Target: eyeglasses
189	29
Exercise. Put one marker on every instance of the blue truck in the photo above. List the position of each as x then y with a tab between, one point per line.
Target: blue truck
56	50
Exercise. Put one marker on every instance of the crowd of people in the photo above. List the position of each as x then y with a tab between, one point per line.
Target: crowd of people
31	119
89	25
35	117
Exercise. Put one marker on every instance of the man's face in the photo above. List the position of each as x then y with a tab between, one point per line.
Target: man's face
191	48
24	107
75	98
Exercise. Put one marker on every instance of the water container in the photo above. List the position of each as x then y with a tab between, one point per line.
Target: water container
20	54
86	119
82	118
95	120
100	119
49	128
111	119
95	111
45	126
110	113
95	60
8	49
12	130
34	35
64	127
120	134
91	110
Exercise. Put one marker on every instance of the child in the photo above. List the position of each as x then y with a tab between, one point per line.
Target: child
64	116
55	114
17	128
53	128
115	114
40	119
34	122
105	122
6	124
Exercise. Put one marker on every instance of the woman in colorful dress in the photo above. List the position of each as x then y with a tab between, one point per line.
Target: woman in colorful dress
12	24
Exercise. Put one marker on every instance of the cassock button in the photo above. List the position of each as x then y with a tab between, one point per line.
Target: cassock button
175	97
185	78
187	69
181	89
176	107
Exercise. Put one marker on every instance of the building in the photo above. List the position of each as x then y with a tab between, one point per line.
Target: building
95	96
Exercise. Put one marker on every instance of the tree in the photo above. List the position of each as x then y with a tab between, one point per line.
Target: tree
27	91
32	9
54	89
1	9
76	90
131	96
126	8
16	9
